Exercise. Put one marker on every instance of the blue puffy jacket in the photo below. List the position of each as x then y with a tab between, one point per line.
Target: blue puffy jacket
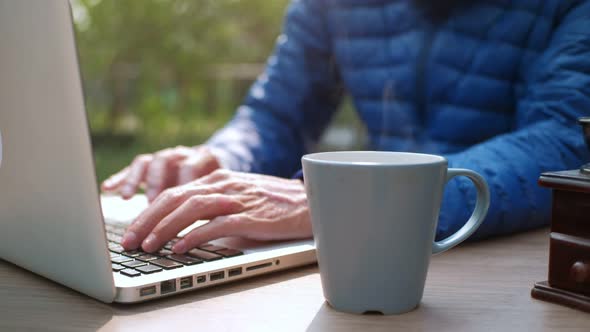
495	87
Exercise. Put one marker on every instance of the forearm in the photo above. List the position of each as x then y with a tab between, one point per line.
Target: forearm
511	164
258	143
290	103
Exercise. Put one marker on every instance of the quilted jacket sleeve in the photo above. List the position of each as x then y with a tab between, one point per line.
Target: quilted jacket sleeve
555	91
289	105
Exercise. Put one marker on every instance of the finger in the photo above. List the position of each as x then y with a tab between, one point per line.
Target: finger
193	209
219	175
167	202
219	227
161	172
197	166
115	181
135	176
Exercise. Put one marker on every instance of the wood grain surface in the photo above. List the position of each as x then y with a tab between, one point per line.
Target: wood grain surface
482	286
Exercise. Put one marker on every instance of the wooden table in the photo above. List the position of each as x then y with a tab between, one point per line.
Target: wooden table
477	286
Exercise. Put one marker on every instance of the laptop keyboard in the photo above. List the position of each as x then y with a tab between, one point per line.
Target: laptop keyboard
137	262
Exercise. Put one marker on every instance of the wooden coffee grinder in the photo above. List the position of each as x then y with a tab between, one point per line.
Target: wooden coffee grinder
569	251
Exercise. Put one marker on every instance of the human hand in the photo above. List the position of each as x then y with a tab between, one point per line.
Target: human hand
161	170
238	204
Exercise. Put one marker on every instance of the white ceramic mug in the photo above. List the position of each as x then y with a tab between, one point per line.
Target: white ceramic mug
374	216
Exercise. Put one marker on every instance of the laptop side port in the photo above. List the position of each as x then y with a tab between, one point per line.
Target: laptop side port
147	291
186	282
168	286
259	266
217	275
234	272
201	279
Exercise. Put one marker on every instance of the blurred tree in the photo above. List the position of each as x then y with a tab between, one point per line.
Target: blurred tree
159	73
154	59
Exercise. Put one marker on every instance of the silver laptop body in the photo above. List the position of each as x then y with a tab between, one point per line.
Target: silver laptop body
50	212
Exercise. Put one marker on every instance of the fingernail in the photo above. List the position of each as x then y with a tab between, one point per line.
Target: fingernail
129	240
149	243
127	191
179	247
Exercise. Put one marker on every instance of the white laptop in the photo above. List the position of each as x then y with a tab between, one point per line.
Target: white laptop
50	212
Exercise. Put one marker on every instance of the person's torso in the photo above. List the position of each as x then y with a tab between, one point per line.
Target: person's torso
437	86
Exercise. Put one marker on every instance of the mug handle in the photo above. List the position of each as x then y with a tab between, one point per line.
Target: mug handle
478	215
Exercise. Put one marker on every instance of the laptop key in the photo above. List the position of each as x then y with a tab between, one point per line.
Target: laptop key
147	257
130	273
166	263
134	264
114	254
204	255
133	253
164	252
121	259
147	269
171	243
212	248
184	259
230	252
116	248
117	267
117	230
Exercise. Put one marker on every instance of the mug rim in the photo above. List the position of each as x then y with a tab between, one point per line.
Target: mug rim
427	159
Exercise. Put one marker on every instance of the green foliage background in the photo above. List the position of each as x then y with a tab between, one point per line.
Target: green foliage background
160	73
